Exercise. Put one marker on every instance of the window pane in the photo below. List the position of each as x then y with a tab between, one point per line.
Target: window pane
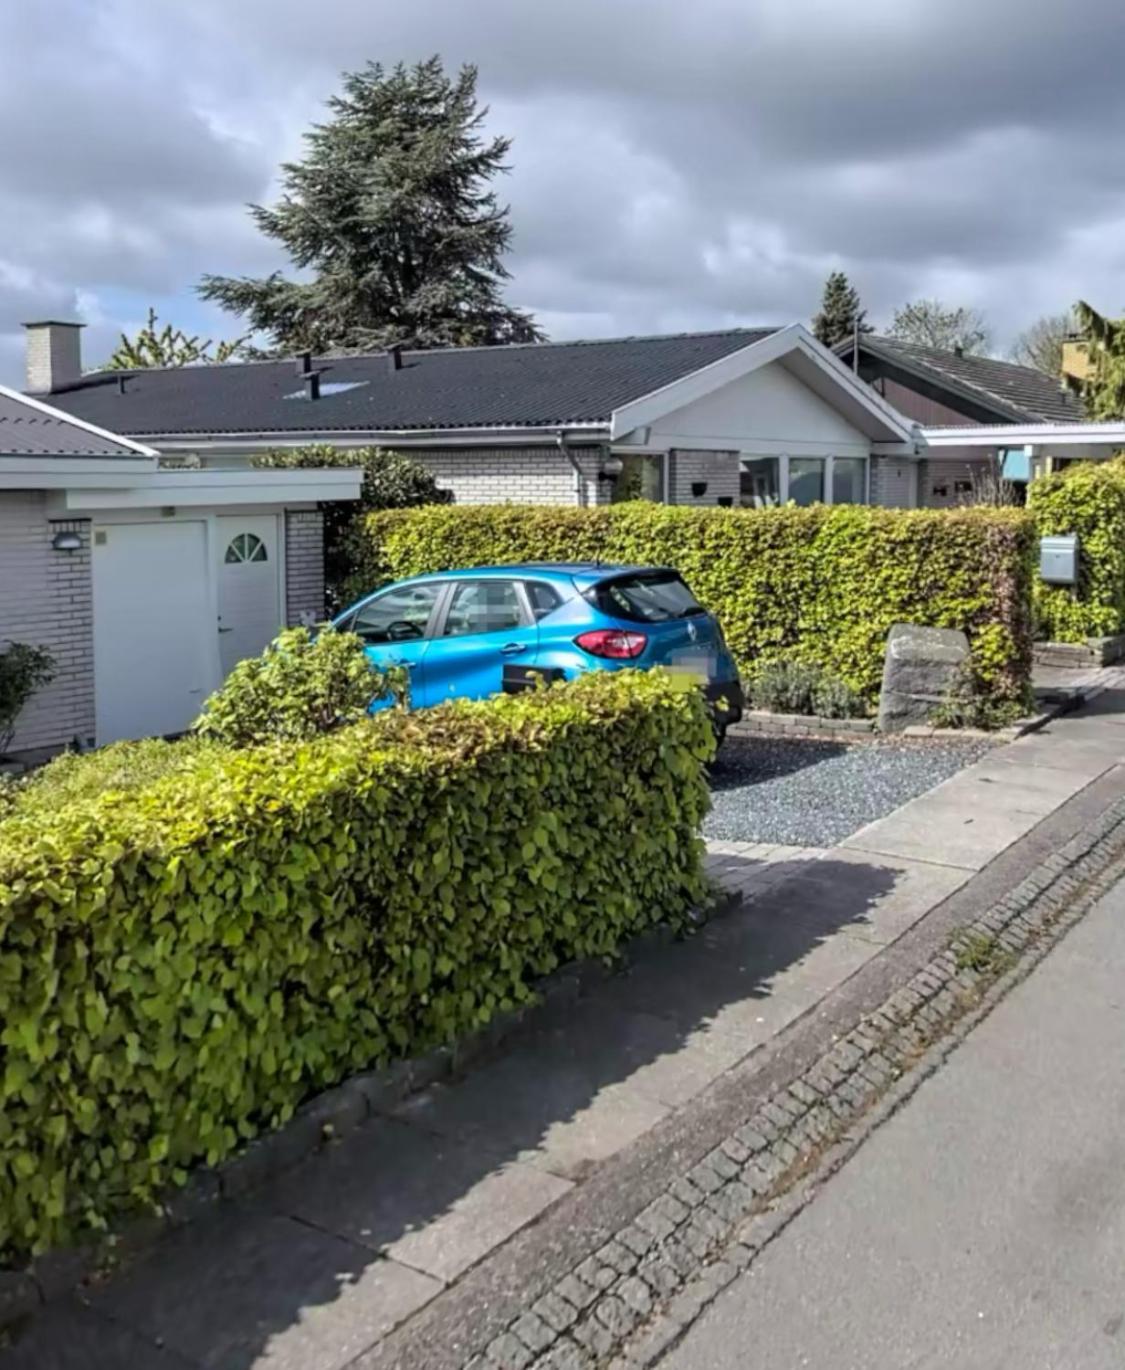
642	477
806	480
761	484
400	615
483	606
545	599
651	598
848	481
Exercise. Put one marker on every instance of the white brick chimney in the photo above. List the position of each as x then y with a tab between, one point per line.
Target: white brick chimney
54	355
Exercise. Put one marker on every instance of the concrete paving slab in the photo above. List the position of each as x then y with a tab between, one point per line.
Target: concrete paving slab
950	833
72	1337
253	1290
427	1201
1040	789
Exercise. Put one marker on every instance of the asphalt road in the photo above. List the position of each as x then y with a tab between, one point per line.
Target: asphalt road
984	1225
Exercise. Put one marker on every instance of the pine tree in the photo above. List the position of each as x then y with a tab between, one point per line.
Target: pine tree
1105	342
391	214
840	314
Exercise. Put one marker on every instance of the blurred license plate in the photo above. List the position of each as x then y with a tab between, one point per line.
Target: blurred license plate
697	663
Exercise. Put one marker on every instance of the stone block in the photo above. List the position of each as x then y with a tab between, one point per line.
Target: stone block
920	666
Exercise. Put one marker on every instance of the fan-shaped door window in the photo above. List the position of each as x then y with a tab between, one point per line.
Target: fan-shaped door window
246	547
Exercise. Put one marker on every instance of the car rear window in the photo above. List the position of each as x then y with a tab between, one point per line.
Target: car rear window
646	598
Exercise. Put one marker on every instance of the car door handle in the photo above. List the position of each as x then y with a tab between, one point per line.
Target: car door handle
511	648
406	665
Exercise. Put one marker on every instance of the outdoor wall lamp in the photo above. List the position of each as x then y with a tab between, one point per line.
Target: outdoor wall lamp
611	468
67	542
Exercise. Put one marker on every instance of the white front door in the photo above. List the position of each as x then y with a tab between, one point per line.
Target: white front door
249	573
154	628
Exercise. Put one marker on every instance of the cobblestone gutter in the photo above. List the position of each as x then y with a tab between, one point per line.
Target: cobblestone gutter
626	1304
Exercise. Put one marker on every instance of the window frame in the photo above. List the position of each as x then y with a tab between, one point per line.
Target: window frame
829	459
524	586
527	618
347	625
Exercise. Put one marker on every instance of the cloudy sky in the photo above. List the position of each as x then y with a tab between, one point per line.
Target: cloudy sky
675	165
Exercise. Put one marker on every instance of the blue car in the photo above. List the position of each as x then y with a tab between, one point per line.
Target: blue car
470	634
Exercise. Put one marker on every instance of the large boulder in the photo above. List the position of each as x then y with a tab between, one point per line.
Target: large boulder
920	666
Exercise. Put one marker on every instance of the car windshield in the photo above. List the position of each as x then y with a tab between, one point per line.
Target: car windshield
654	597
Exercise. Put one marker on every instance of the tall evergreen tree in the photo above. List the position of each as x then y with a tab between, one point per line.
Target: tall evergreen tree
391	213
1105	342
840	313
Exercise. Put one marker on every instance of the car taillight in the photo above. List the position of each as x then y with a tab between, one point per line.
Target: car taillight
612	642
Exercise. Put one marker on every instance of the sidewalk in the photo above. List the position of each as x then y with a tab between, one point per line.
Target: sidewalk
382	1228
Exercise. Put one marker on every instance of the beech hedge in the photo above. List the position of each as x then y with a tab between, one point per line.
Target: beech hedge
184	961
817	585
1087	499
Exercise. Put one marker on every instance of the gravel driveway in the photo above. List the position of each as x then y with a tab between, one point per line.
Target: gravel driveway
808	793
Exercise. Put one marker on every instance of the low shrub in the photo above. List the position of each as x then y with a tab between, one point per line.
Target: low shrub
303	684
183	962
23	670
968	704
820	585
1087	499
797	687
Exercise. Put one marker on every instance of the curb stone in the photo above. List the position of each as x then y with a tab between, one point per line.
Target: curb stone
709	1224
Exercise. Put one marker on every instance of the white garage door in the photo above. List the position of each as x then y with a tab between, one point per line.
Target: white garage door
155	659
249	586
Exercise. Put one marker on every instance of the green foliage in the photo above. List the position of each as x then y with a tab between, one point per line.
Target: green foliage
391	215
930	323
183	963
302	685
1105	390
23	670
390	481
820	585
168	346
970	704
799	687
1087	499
840	312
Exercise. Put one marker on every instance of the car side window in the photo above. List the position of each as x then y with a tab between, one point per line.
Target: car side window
544	599
483	606
399	615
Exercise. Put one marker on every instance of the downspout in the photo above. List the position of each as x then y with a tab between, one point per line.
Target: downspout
579	475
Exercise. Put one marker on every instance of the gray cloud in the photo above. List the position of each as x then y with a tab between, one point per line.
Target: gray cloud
673	166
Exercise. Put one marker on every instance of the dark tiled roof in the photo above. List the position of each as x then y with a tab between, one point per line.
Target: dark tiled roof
28	431
469	387
1019	393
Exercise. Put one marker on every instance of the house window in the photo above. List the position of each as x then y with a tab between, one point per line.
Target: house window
849	480
642	477
806	480
246	547
760	485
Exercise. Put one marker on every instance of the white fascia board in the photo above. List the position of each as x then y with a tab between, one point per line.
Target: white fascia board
1027	434
546	435
698	384
205	488
59	473
63	417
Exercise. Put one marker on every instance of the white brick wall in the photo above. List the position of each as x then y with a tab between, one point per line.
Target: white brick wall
893	482
46	599
514	475
938	475
304	566
721	471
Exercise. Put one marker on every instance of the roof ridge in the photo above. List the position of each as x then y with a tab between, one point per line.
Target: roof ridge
433	351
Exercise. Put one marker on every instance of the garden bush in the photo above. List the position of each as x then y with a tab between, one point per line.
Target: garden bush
1087	499
795	687
303	684
183	962
820	585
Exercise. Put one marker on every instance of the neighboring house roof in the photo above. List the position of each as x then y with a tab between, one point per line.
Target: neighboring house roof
529	385
30	428
1019	393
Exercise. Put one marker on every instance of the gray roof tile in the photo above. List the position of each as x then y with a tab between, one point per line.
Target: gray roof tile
28	431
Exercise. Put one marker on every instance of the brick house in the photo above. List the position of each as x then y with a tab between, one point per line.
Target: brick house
144	584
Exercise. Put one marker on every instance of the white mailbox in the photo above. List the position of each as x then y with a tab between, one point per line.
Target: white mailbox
1058	559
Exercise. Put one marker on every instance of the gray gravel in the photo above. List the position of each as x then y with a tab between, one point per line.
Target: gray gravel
807	793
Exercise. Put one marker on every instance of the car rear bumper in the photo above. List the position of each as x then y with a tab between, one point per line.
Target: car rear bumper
726	700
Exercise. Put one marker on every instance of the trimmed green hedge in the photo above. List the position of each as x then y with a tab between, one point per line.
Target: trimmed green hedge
820	585
1087	499
183	962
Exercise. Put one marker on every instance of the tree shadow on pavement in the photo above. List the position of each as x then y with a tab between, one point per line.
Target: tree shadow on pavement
328	1260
